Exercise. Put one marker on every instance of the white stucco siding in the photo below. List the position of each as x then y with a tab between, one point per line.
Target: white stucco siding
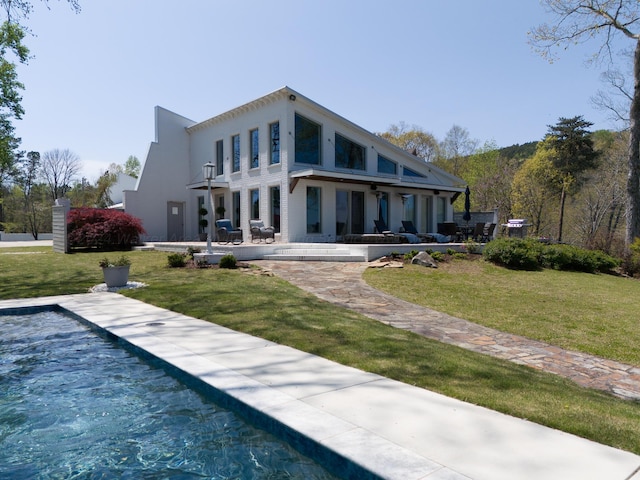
163	177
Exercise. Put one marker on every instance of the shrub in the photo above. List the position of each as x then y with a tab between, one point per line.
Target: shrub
471	246
437	256
191	251
228	261
102	228
409	255
177	260
516	253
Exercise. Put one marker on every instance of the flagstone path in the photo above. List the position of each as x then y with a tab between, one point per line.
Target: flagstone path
341	283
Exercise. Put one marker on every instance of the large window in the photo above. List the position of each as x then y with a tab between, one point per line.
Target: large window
313	210
407	172
254	149
409	207
219	158
275	207
235	205
387	166
274	150
254	207
307	140
235	153
349	154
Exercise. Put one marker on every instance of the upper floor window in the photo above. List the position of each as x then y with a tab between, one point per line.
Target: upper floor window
254	206
407	172
254	149
387	166
235	153
274	149
349	154
307	141
219	158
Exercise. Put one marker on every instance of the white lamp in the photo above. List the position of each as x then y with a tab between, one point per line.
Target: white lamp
209	172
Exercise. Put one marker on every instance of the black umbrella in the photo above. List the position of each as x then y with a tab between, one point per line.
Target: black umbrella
467	205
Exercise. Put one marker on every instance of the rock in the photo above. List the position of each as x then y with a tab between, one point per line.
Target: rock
424	259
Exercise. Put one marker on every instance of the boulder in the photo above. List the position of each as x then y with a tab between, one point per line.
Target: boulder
424	259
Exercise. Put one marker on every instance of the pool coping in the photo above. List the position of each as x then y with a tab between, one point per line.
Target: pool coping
358	424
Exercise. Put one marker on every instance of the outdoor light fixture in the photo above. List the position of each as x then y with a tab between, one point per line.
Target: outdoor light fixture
209	172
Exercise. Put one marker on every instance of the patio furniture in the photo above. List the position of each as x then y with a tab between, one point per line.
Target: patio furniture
260	232
226	233
483	232
451	230
409	227
381	227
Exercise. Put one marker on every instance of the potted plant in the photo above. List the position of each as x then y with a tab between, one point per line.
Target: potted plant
116	272
204	223
220	211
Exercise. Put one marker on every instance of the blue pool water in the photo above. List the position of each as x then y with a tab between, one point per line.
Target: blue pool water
74	405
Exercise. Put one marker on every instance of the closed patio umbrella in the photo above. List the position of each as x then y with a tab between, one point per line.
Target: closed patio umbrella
467	205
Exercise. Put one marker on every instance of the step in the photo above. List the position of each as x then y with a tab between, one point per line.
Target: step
319	254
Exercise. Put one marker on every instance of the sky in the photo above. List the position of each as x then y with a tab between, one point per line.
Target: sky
96	76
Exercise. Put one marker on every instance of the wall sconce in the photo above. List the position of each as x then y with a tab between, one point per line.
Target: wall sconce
436	192
292	97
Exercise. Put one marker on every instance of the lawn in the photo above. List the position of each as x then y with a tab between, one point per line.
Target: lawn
269	307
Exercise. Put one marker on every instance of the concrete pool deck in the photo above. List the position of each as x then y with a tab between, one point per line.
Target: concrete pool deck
389	428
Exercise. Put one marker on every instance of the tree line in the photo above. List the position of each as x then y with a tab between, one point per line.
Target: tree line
570	185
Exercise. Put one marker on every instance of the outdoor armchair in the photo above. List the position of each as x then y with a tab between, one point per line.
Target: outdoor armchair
260	232
226	233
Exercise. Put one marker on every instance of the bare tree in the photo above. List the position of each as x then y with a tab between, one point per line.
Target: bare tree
58	169
578	21
456	145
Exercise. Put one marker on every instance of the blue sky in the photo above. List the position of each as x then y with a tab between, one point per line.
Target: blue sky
96	76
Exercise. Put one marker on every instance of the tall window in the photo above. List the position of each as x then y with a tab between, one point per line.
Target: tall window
219	158
235	153
313	210
349	154
409	207
275	207
307	140
387	166
274	150
254	207
383	207
254	149
235	205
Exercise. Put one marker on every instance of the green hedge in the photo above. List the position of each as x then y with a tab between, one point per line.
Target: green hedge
530	254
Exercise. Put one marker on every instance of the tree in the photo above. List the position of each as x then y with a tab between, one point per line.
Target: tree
412	139
578	21
132	166
456	145
534	187
59	168
574	154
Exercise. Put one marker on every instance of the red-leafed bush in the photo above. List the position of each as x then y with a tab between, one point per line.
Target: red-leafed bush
94	227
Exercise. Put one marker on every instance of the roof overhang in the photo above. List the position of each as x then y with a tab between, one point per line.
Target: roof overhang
373	181
202	185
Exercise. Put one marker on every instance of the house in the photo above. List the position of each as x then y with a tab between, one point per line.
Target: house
301	168
123	182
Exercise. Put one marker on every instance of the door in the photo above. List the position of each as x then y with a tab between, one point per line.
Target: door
175	222
349	213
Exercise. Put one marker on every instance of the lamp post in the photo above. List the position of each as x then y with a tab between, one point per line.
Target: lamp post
209	172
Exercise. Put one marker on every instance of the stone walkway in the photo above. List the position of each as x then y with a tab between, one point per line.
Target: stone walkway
341	283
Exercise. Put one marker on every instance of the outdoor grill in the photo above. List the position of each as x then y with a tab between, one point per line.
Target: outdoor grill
517	227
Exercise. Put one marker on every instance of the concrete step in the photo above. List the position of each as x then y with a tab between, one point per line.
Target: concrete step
319	254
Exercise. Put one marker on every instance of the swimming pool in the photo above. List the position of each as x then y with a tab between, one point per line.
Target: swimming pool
76	405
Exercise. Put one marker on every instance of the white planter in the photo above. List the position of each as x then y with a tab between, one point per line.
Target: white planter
116	276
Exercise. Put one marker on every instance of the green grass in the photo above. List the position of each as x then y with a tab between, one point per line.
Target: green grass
273	309
596	314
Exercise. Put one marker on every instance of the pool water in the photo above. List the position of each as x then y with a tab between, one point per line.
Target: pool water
75	405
